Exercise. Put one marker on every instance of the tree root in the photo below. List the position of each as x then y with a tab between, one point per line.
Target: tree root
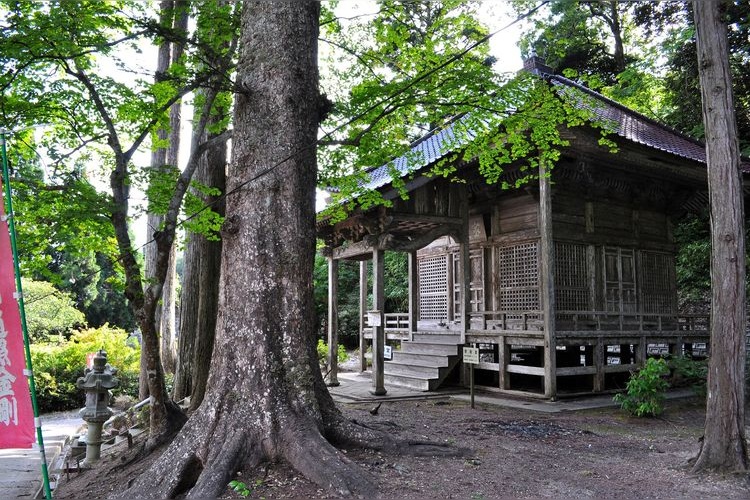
194	466
353	434
312	455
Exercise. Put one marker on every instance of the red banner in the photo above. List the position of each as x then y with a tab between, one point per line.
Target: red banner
16	414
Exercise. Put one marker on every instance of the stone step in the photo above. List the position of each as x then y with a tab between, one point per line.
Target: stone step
435	360
437	338
391	368
425	348
416	383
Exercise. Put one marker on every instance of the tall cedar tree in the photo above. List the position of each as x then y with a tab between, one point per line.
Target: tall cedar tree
724	447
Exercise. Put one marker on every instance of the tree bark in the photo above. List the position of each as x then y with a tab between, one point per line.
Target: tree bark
168	297
200	290
266	398
173	16
208	306
724	447
158	160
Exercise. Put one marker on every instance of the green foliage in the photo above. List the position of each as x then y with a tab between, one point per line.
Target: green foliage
322	349
202	220
689	372
396	293
400	75
693	238
645	390
57	366
416	67
50	313
243	489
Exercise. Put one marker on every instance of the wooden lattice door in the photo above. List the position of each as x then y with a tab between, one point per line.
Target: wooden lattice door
476	287
619	280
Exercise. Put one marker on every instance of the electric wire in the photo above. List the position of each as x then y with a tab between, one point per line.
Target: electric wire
411	83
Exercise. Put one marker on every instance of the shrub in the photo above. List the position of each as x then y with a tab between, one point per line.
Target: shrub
644	396
322	349
50	313
57	366
687	372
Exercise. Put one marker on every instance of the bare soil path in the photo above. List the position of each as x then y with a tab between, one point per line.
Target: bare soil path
515	454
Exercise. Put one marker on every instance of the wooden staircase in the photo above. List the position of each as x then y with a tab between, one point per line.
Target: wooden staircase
424	362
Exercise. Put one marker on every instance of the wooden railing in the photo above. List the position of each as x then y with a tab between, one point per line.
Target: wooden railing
507	320
396	322
630	322
533	321
396	326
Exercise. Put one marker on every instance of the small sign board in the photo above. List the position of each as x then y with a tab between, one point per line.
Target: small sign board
374	318
387	353
471	355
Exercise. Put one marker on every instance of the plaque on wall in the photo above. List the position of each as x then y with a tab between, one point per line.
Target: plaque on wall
476	228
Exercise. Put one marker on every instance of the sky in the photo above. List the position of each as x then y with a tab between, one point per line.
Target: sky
496	15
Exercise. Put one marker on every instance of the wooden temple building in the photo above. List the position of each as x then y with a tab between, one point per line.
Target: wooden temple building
565	284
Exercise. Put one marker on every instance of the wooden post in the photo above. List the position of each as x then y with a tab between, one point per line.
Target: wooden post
413	295
465	265
333	322
547	288
599	363
451	289
362	312
503	361
378	332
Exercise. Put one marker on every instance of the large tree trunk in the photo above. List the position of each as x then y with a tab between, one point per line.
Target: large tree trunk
200	291
189	300
168	296
266	399
724	447
173	16
210	271
158	160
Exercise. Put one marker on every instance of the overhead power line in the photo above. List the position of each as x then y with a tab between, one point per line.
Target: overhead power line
410	84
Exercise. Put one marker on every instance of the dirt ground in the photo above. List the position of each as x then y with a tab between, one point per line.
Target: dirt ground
514	454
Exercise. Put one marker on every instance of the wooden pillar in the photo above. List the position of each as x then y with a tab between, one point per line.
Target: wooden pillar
378	332
503	360
599	363
333	322
451	289
362	312
465	265
413	294
547	288
641	351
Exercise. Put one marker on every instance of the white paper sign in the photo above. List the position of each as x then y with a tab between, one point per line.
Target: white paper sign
374	318
471	355
387	353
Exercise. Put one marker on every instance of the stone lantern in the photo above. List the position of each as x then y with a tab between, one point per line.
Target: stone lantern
96	383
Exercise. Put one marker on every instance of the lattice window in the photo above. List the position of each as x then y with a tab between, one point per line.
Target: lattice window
433	288
658	286
571	277
518	277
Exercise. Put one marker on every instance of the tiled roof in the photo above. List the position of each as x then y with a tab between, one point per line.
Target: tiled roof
625	123
634	126
424	152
